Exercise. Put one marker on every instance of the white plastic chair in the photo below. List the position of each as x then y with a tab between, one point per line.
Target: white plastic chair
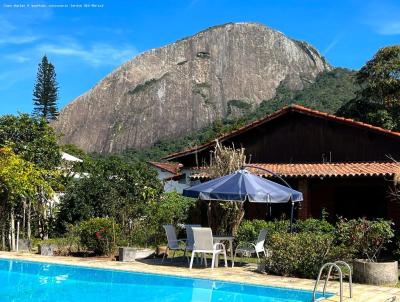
174	243
250	248
190	239
204	244
189	236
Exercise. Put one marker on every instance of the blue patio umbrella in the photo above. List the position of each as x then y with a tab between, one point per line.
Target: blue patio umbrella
244	186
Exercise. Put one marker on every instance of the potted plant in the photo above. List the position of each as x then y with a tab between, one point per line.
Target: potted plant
367	238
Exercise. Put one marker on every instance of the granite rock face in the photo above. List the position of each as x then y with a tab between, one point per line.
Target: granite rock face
177	89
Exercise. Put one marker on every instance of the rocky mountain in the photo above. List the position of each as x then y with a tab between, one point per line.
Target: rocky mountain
177	89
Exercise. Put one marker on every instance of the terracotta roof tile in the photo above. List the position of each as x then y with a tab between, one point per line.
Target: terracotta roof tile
284	110
320	170
173	168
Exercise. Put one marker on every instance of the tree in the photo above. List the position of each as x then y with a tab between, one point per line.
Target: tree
226	160
22	184
380	77
33	139
45	92
112	188
225	216
170	208
378	100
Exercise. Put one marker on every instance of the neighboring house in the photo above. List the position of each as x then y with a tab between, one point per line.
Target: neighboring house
173	176
67	164
70	158
341	165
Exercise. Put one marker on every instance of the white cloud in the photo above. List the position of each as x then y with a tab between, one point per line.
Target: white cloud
10	34
10	78
332	44
97	54
15	30
17	40
17	58
5	25
389	28
382	16
23	41
20	29
24	62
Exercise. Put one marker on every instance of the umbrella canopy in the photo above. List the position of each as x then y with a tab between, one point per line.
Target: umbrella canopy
241	186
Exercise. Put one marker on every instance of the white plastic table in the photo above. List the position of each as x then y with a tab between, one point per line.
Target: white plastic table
225	238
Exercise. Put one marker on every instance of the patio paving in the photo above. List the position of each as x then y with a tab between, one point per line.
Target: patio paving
242	274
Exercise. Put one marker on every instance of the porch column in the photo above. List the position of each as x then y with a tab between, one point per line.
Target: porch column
305	211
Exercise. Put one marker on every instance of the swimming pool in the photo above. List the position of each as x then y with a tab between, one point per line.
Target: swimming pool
22	281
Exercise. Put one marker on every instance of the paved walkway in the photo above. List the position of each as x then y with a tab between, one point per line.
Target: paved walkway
244	274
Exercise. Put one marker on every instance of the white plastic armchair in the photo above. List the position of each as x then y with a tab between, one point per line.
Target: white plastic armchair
204	244
250	248
174	244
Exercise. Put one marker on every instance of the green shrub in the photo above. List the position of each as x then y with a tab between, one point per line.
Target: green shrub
171	208
367	238
249	229
302	254
316	241
299	254
280	226
99	235
314	225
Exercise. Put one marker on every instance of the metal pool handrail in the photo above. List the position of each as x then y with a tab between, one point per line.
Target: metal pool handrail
343	263
332	265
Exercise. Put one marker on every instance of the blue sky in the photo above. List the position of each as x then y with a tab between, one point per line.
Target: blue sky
85	44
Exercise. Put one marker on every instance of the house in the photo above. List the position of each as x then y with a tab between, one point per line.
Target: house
67	164
172	175
70	158
342	166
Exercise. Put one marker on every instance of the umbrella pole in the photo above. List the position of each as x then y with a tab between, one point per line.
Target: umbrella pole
291	217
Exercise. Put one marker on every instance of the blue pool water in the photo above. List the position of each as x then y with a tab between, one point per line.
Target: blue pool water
22	281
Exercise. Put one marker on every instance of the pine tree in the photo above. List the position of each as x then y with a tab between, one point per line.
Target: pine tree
45	93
